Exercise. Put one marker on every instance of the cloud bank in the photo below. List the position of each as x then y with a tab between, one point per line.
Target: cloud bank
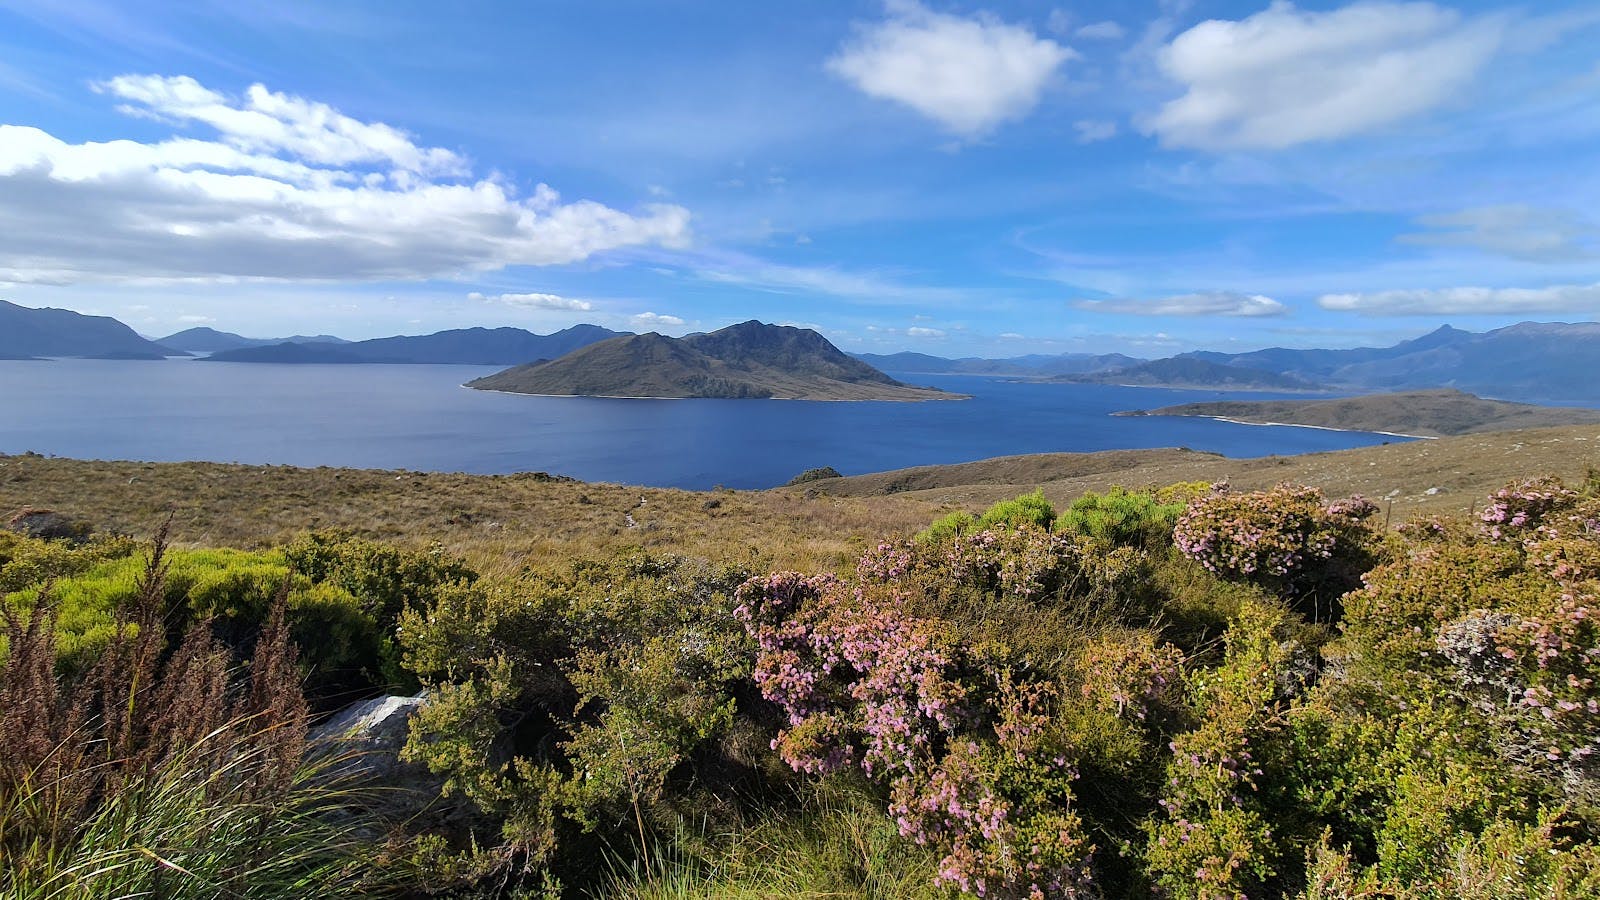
285	189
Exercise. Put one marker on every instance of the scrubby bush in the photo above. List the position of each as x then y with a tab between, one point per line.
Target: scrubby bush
1122	517
1288	539
591	702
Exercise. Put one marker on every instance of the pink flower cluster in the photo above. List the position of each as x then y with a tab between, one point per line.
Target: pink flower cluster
1268	533
1516	509
1132	680
879	677
967	753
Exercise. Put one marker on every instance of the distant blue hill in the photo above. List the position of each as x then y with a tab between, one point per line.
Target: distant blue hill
1530	361
27	333
1037	364
210	340
462	346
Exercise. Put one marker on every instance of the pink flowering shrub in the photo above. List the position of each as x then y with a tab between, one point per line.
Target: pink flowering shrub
1134	679
1520	508
1538	675
1287	538
971	761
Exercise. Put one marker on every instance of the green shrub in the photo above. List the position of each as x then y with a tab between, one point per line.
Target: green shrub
1028	509
1121	517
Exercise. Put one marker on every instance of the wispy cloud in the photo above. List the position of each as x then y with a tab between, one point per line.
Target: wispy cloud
1559	298
1092	130
868	287
1209	303
535	301
650	319
1517	231
1101	31
968	74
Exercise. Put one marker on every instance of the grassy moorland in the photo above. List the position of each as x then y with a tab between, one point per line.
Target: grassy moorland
1183	690
1448	475
1429	413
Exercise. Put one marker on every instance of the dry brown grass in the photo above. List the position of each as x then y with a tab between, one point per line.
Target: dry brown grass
501	523
497	522
1459	471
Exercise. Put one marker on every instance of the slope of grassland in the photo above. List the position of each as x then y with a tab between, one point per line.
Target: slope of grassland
1444	475
495	521
1427	413
501	522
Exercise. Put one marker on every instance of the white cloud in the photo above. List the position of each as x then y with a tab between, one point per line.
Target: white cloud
535	301
1091	130
1101	31
191	319
918	331
1559	298
1283	76
650	318
1520	232
1207	303
286	189
968	74
1012	336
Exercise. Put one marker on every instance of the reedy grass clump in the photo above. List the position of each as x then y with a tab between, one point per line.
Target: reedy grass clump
157	772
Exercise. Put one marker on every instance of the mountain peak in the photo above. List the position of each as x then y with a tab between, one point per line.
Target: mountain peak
748	360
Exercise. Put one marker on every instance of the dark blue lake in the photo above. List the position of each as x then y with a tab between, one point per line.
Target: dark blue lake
418	417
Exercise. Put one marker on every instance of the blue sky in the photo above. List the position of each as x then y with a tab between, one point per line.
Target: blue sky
953	178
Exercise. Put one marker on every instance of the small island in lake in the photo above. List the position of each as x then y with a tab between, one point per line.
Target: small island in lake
1414	413
751	360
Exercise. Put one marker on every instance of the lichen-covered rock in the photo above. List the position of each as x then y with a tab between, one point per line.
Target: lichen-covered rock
364	740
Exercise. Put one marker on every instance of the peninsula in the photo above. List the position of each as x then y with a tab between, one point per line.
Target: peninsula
1435	413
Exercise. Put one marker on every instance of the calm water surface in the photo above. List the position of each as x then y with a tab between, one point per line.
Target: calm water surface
419	417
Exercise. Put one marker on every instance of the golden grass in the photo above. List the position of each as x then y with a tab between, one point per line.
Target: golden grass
501	523
1447	475
497	522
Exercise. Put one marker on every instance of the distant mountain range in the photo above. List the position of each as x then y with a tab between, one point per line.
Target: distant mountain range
210	340
27	333
745	361
461	346
1529	361
1036	364
1182	372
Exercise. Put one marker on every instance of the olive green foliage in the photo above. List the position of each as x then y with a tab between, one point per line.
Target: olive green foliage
27	561
593	702
810	475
